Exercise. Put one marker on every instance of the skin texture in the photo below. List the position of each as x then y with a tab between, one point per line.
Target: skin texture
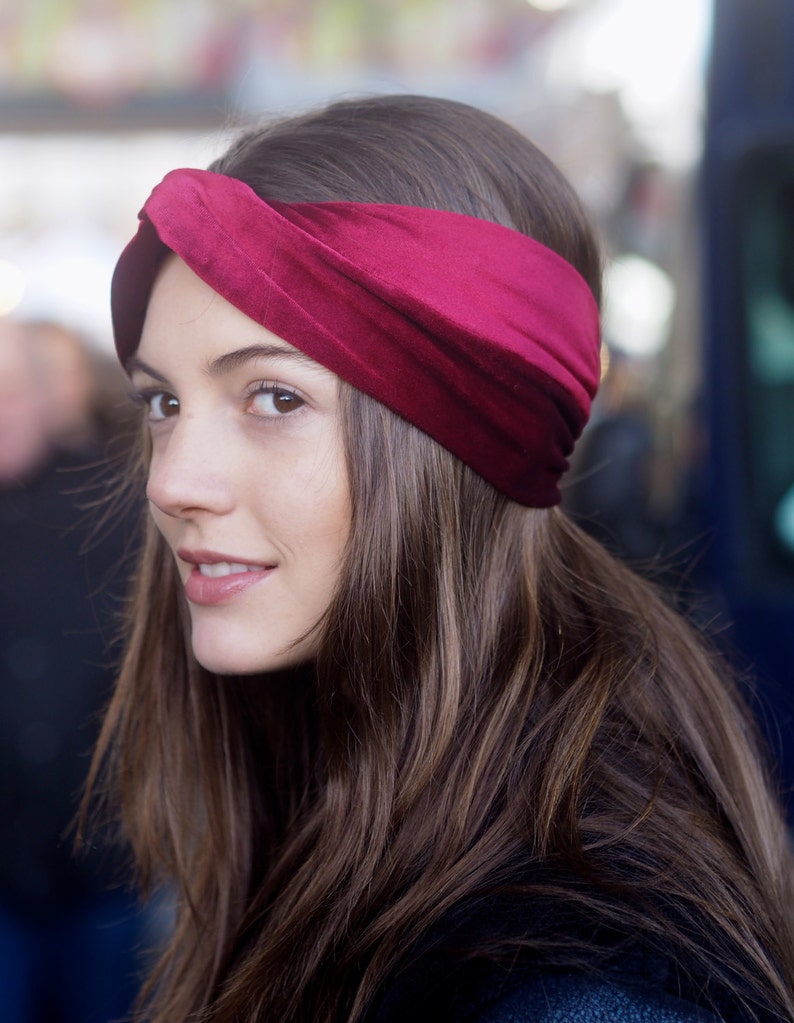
247	466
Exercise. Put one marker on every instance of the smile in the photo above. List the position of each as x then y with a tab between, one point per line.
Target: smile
223	568
221	582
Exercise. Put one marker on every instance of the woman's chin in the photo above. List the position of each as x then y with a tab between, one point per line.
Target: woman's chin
250	662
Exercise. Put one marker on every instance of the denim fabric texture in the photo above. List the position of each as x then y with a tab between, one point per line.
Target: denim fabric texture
574	998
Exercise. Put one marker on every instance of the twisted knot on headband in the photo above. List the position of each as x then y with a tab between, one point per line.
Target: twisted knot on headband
477	334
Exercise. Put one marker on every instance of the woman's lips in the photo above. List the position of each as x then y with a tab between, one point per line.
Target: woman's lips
220	582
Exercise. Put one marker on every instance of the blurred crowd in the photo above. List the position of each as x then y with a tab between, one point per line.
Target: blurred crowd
69	931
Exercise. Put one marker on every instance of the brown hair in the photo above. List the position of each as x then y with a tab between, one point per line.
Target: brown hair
497	704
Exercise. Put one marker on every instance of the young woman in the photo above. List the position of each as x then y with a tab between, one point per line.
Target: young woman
407	743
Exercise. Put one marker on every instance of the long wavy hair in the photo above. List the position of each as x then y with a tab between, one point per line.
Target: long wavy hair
497	705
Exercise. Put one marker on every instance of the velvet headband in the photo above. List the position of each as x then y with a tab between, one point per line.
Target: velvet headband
480	336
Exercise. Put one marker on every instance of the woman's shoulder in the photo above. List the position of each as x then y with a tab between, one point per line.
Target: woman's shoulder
487	992
480	966
574	997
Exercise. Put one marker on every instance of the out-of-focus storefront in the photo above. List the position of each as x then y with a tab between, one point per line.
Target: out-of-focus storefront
99	97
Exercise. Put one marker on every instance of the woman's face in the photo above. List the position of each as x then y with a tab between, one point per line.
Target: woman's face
247	481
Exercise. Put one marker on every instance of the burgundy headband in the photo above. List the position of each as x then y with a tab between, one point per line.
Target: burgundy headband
478	335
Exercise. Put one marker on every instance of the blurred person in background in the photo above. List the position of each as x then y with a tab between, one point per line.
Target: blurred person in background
87	404
68	930
25	440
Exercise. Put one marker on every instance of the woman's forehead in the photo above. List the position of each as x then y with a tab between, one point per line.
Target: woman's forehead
186	310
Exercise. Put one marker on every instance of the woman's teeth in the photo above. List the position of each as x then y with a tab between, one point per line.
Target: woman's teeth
227	568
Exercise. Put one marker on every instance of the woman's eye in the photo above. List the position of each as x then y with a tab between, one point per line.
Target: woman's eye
269	401
161	405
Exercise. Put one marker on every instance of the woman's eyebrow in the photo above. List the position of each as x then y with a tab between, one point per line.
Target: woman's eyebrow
134	364
227	362
232	360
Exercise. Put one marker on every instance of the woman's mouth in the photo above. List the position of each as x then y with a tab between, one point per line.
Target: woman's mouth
219	582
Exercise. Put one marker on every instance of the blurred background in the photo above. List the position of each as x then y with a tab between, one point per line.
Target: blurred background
674	119
99	97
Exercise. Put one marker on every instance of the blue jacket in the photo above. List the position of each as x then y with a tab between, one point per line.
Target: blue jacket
577	998
492	961
479	995
637	987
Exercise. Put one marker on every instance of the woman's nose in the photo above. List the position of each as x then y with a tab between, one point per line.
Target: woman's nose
191	471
